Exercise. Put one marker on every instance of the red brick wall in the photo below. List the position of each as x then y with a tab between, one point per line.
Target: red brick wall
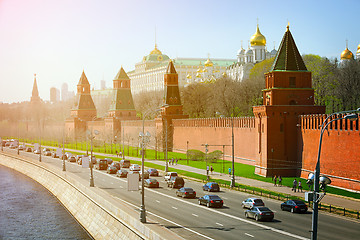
340	155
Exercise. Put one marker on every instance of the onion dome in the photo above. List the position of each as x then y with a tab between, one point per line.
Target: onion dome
249	52
199	70
188	76
224	74
156	51
258	39
346	54
198	75
209	63
205	70
241	51
358	49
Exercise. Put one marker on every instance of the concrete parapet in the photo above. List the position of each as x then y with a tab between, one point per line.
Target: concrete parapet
100	214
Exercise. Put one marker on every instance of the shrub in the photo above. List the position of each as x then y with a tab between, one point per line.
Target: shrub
195	155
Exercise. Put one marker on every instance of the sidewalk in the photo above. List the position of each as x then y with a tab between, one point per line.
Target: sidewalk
339	201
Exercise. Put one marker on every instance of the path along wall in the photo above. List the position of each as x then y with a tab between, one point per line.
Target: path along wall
193	133
101	215
340	155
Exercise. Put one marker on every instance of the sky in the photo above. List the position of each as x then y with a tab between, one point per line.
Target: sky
57	40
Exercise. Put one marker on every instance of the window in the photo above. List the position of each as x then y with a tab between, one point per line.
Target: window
281	127
292	82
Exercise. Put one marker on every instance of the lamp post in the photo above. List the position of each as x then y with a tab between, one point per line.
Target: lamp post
166	146
40	141
187	149
324	125
63	151
96	132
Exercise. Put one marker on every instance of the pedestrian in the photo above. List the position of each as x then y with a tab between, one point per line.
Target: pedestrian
280	181
176	161
294	185
117	155
120	154
300	186
207	170
169	161
229	171
275	180
172	161
211	169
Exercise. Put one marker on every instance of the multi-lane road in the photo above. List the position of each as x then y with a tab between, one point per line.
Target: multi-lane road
192	221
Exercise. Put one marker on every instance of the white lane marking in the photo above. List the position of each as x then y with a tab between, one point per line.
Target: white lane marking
219	224
218	212
148	212
225	198
174	208
121	186
157	201
249	235
195	215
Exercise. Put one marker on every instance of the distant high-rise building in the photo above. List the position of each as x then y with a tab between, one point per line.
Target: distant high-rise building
102	84
65	93
54	95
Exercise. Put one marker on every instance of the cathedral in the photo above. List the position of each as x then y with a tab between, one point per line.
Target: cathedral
246	59
347	55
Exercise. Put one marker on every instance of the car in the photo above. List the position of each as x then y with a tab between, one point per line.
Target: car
294	206
260	213
134	167
151	183
12	146
211	201
211	187
71	158
55	155
116	164
168	175
93	160
37	151
146	175
102	165
252	202
68	155
153	172
79	159
186	192
176	182
111	169
125	163
109	161
47	152
22	147
28	149
122	173
7	143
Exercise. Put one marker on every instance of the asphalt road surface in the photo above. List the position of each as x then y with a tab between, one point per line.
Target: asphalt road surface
192	221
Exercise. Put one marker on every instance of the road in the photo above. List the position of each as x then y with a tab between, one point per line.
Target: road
192	221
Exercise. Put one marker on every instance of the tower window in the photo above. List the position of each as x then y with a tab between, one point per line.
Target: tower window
292	82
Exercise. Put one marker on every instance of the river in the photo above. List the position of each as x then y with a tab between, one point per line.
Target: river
30	211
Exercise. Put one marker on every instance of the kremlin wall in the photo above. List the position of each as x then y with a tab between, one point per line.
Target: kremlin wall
281	139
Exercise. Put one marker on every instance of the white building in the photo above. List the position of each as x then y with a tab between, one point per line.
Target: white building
246	59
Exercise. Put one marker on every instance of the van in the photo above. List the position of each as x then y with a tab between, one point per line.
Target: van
176	182
168	175
125	163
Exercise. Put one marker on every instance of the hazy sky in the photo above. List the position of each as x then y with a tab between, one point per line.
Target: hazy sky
57	39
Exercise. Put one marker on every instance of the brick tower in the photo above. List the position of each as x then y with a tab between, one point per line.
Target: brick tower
84	106
288	94
172	108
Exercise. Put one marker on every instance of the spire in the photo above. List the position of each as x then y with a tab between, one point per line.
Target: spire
83	79
121	75
288	57
35	91
170	68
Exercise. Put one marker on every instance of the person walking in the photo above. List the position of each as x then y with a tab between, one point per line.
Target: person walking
207	170
275	180
294	185
300	186
229	171
211	169
176	161
280	181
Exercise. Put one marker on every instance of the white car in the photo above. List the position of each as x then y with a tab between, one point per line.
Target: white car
169	175
134	167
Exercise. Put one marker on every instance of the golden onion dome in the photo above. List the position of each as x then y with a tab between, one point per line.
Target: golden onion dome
200	70
209	63
258	39
198	75
188	76
358	46
346	54
358	49
156	51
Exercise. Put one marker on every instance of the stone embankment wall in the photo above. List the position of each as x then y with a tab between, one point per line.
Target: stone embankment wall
100	214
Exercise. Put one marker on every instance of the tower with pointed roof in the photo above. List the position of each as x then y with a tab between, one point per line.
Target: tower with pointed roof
122	104
287	95
84	108
35	98
172	108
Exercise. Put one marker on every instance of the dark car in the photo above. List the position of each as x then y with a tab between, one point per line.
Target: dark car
294	206
176	182
211	201
122	173
47	152
102	165
109	161
186	193
111	169
146	175
22	147
151	183
93	160
252	202
259	213
153	172
79	159
116	164
211	187
71	159
125	163
28	149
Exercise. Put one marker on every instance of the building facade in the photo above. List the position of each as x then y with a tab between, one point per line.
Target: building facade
246	59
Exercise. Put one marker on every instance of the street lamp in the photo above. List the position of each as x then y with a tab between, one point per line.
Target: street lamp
144	139
63	151
316	200
96	132
40	141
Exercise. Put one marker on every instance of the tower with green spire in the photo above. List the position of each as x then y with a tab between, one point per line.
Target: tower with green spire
287	95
